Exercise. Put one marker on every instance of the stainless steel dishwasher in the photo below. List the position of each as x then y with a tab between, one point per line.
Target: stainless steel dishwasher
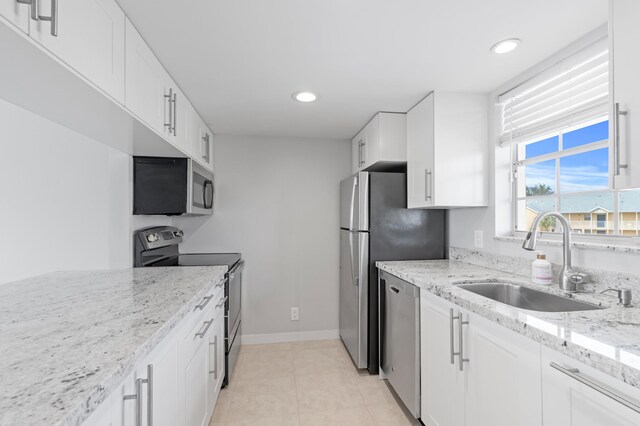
400	338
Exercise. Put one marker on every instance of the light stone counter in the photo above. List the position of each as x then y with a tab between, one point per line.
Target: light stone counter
67	339
607	339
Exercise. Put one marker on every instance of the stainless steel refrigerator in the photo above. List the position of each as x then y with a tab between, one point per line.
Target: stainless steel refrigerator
376	225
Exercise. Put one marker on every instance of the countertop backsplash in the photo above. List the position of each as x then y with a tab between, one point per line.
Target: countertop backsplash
600	280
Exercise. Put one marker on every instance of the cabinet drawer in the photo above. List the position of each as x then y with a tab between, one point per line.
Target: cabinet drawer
197	334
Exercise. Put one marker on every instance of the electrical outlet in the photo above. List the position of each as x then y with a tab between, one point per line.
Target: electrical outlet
295	314
478	239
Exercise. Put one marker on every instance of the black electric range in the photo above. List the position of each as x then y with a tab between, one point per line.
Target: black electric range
158	246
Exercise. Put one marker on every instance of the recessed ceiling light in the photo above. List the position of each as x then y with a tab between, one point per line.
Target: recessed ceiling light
304	97
505	46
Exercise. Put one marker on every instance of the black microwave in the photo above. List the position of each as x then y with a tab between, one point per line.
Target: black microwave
171	186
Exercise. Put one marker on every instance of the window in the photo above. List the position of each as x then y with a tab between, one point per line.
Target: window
557	127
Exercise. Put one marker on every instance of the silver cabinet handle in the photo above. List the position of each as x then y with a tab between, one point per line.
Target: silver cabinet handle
204	302
137	396
362	155
149	394
428	177
53	18
460	353
175	115
451	345
461	358
574	373
222	302
204	153
616	138
33	6
215	357
169	98
202	333
220	284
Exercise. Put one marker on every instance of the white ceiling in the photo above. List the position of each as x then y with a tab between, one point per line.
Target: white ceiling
239	61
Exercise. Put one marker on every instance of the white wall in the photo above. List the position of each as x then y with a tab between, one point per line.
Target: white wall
65	199
277	203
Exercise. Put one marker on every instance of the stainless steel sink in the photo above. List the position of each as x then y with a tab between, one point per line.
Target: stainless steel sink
527	298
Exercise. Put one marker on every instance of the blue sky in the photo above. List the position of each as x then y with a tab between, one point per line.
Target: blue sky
581	172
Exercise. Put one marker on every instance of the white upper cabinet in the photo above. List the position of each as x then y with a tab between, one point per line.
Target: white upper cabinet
576	395
147	94
625	67
201	142
16	13
90	39
182	118
153	96
447	151
381	142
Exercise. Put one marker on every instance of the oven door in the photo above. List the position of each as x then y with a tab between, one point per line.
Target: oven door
233	291
201	190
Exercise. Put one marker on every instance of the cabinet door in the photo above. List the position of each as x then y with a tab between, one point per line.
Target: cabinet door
442	383
195	385
370	150
502	376
90	40
625	33
123	411
568	402
420	154
216	361
165	386
16	13
145	82
201	142
356	153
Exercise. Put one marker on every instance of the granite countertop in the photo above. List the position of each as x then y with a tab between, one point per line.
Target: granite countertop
607	339
69	338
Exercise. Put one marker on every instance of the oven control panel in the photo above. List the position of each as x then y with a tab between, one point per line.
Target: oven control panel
160	236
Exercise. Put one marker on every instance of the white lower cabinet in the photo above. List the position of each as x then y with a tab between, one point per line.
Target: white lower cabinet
498	381
508	379
178	383
502	376
195	380
442	384
216	357
570	401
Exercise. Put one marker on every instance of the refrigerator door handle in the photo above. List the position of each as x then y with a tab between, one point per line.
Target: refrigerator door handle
354	277
353	203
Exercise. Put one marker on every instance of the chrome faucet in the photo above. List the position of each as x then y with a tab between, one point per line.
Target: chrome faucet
569	278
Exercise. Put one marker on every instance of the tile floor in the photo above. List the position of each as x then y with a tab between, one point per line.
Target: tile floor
305	383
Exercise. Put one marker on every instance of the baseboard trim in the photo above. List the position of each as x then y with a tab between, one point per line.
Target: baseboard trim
298	336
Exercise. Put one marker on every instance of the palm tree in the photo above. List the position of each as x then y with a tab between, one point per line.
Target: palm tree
539	189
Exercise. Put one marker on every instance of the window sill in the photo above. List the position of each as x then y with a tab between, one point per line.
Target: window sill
626	245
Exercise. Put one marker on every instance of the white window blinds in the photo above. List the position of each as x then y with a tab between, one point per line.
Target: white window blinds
573	91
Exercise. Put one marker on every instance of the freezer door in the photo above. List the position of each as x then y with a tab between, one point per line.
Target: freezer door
354	202
354	294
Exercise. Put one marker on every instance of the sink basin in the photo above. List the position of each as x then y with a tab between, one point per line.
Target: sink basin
527	298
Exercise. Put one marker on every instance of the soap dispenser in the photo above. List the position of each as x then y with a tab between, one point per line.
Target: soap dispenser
541	270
